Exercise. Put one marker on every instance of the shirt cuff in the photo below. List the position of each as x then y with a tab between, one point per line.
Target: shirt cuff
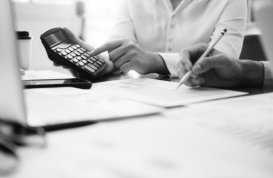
172	61
268	76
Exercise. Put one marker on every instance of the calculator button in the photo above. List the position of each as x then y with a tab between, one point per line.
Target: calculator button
76	52
79	58
93	67
93	59
78	46
73	54
92	62
81	64
69	56
75	60
74	47
102	61
68	51
84	57
84	50
80	50
97	65
96	57
58	50
89	69
64	53
84	61
71	49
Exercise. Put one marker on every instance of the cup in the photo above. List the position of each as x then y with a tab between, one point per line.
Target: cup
25	44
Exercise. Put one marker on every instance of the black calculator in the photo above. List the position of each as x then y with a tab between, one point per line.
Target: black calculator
64	51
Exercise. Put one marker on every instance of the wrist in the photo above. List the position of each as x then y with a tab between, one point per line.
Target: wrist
252	73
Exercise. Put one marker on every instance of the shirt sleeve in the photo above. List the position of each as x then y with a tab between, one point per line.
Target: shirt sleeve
234	19
172	61
268	76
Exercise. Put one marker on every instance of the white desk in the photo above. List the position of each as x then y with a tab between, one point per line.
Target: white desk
183	142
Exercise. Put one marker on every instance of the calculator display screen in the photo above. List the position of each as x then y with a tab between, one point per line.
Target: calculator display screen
55	38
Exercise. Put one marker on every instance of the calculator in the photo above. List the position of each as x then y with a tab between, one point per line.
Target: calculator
64	51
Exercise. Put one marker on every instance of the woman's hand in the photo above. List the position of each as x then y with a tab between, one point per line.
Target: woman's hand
221	70
109	67
126	55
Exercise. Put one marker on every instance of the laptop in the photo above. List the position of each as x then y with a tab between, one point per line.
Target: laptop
57	106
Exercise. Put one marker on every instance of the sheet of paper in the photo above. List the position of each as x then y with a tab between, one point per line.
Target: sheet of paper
44	74
163	93
64	105
247	119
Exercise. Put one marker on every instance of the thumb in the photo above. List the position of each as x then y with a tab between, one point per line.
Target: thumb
208	63
75	39
70	34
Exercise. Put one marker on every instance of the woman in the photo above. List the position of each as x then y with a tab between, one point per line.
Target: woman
149	35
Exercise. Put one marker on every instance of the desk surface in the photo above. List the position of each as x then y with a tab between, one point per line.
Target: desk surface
211	139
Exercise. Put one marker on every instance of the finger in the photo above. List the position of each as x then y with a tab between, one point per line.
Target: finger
190	83
189	56
118	53
71	35
126	67
122	60
108	69
209	63
198	81
193	53
107	47
195	82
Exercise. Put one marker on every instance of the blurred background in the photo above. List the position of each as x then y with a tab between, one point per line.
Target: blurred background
93	20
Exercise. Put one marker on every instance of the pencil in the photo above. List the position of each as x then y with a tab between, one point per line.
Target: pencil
208	50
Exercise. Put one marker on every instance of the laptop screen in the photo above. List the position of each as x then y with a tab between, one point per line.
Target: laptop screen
11	92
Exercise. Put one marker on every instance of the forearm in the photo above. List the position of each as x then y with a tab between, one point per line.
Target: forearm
252	73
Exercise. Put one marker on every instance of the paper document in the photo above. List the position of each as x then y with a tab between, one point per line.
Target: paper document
66	105
164	146
163	93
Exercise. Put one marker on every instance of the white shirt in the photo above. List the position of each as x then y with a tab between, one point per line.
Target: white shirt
158	28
